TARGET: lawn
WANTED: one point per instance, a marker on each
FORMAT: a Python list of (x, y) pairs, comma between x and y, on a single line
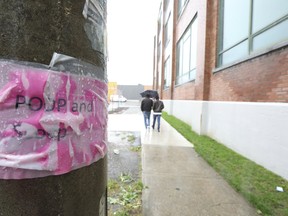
[(254, 182)]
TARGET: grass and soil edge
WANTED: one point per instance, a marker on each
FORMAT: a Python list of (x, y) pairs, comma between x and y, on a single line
[(255, 183), (125, 192)]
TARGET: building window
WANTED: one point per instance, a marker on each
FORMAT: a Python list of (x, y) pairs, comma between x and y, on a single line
[(168, 30), (159, 22), (166, 4), (249, 26), (159, 51), (181, 5), (186, 54), (167, 73)]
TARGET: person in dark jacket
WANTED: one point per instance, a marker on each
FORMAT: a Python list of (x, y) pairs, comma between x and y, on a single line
[(146, 107), (158, 106)]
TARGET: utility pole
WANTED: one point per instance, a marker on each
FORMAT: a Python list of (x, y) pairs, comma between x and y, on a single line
[(34, 31)]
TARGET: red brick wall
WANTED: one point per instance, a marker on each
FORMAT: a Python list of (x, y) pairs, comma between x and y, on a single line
[(166, 94), (262, 79), (185, 92), (193, 90), (210, 45)]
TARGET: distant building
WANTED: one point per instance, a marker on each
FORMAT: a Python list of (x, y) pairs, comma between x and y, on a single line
[(131, 92), (222, 67), (112, 89)]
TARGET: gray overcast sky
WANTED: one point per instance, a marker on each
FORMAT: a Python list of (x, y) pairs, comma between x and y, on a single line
[(131, 26)]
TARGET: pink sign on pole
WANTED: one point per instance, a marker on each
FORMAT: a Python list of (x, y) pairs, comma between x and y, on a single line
[(51, 122)]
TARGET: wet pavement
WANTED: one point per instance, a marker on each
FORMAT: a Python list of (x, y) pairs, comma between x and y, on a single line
[(178, 182), (122, 137), (122, 159)]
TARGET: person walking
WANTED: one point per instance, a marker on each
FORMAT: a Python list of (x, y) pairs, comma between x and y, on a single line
[(146, 107), (158, 106)]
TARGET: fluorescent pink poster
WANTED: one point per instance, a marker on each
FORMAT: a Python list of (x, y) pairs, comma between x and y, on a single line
[(50, 122)]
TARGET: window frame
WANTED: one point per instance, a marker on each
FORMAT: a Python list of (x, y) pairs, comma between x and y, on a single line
[(250, 37), (167, 30), (167, 73), (190, 75), (181, 7), (166, 4)]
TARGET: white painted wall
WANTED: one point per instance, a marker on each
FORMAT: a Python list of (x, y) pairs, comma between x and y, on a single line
[(188, 111), (258, 131)]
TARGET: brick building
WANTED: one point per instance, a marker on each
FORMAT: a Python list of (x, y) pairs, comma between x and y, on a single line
[(222, 67)]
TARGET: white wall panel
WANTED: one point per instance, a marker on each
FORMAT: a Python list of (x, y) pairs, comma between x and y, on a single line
[(258, 131)]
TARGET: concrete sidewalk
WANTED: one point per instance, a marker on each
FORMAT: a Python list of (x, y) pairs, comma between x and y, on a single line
[(178, 181)]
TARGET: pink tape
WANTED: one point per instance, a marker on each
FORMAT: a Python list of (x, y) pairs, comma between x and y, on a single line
[(51, 122)]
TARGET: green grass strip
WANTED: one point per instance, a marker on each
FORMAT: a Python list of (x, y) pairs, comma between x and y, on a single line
[(255, 183)]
